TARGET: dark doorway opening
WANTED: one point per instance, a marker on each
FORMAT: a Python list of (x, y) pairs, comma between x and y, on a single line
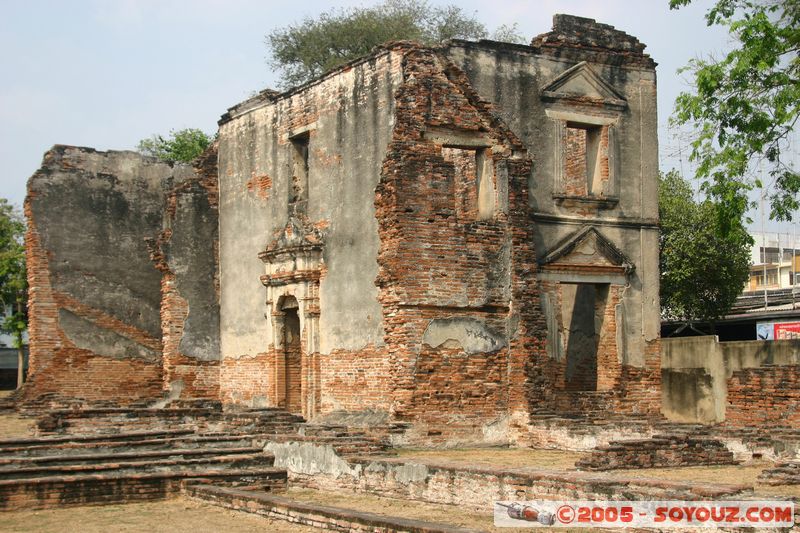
[(583, 312), (292, 356)]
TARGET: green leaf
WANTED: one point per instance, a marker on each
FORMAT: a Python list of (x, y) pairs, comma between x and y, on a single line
[(13, 275), (704, 252), (307, 49), (183, 145), (745, 105)]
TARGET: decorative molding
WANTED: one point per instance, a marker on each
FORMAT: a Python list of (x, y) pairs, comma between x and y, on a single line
[(619, 262), (601, 202), (582, 85), (294, 267)]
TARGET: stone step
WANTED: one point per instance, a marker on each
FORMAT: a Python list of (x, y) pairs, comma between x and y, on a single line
[(104, 457), (216, 462), (116, 487), (659, 451), (144, 444), (109, 420), (342, 445), (320, 516), (785, 473), (13, 445)]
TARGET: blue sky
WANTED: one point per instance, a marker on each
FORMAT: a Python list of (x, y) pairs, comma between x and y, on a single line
[(107, 73)]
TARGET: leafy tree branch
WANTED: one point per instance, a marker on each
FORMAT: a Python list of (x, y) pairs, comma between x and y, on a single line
[(745, 106)]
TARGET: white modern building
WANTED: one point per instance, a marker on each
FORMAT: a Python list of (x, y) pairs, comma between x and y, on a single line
[(775, 261)]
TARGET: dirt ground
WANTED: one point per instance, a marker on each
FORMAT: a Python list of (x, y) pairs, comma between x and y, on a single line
[(13, 426), (447, 514), (746, 474), (498, 457), (170, 516)]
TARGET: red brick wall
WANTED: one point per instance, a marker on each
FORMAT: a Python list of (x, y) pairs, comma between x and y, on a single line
[(355, 380), (585, 153), (575, 171), (765, 396), (200, 378), (249, 379)]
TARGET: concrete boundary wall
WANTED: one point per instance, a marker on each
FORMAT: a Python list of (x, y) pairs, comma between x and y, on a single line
[(696, 373)]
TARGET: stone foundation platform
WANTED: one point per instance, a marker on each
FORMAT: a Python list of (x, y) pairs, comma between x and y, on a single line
[(659, 451)]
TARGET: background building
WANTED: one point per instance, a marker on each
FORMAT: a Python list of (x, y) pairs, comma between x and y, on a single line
[(775, 259), (9, 358)]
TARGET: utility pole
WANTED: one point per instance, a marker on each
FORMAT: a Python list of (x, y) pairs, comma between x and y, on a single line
[(763, 248), (792, 268)]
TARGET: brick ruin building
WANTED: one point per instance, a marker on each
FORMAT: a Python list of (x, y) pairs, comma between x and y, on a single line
[(459, 237)]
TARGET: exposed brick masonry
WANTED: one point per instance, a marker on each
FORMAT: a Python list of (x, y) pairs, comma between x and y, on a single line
[(659, 451), (428, 195), (765, 396)]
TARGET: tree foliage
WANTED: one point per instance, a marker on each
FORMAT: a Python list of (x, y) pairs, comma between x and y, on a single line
[(746, 104), (307, 49), (704, 265), (13, 278), (182, 145)]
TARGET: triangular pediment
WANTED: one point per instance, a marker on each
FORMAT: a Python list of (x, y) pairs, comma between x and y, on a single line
[(587, 247), (581, 83)]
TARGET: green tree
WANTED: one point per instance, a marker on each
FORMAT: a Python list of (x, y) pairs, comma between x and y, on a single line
[(13, 280), (509, 33), (307, 49), (704, 263), (746, 104), (182, 145)]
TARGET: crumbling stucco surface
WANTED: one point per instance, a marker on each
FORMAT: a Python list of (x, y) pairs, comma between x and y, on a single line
[(347, 119), (96, 303), (465, 233)]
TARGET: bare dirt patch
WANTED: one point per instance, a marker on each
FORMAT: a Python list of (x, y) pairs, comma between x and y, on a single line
[(13, 426), (746, 474), (497, 457), (170, 516), (431, 512), (565, 460), (733, 474)]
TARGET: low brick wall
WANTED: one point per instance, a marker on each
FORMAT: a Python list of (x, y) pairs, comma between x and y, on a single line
[(476, 487), (95, 421), (786, 473), (318, 516), (56, 492), (582, 435), (766, 396), (660, 451), (740, 383), (59, 491)]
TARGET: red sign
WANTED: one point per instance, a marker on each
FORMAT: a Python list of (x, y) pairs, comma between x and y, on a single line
[(787, 330), (768, 331)]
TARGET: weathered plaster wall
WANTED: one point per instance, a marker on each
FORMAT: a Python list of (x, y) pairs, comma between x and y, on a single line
[(186, 253), (739, 382), (122, 268), (94, 304), (347, 117)]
